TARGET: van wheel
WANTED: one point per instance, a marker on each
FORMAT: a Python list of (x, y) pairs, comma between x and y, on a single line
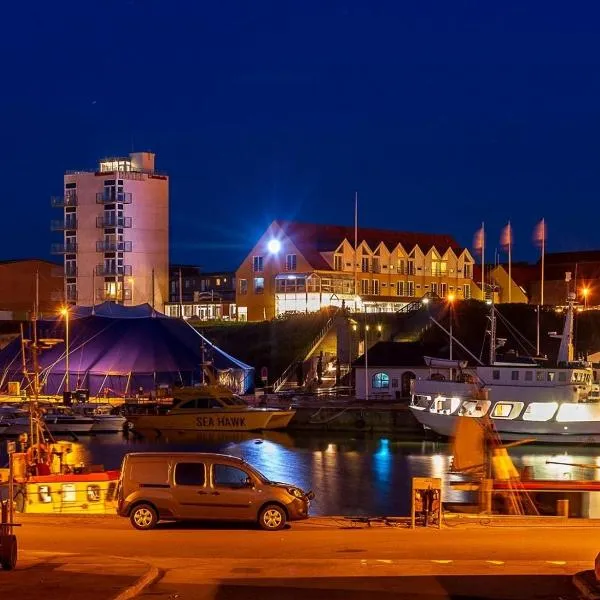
[(272, 518), (143, 516)]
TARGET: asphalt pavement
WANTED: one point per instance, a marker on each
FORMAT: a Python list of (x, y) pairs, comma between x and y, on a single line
[(335, 558)]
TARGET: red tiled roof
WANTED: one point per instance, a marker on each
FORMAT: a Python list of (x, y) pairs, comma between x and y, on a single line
[(311, 239)]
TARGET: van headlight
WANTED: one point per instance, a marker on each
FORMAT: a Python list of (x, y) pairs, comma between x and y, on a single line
[(295, 492)]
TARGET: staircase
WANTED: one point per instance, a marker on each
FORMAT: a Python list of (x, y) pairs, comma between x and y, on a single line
[(289, 374)]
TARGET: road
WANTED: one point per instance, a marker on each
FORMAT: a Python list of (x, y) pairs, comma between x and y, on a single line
[(325, 555)]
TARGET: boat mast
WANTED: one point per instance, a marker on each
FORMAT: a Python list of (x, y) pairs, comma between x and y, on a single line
[(565, 352), (492, 330)]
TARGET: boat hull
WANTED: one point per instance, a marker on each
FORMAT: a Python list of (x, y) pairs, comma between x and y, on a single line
[(550, 432), (246, 420)]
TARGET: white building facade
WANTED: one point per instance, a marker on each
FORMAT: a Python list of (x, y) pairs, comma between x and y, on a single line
[(115, 228)]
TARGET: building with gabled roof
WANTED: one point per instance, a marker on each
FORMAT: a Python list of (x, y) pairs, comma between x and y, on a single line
[(303, 267)]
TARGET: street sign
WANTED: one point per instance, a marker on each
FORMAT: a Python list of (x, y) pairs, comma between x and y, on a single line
[(264, 374), (11, 447)]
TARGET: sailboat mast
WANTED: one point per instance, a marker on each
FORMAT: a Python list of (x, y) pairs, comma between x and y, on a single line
[(492, 332)]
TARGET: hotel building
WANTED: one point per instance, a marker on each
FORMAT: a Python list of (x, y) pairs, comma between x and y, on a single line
[(302, 267), (115, 228)]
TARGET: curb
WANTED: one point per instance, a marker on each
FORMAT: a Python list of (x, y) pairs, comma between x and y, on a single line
[(585, 582), (152, 575)]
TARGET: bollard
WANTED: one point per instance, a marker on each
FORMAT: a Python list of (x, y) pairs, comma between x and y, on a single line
[(562, 508)]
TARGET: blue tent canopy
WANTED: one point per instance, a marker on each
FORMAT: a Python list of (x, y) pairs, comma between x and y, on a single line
[(122, 349)]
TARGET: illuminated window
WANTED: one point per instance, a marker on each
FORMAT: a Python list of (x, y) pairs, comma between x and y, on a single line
[(257, 264), (502, 410), (69, 492), (400, 288), (380, 381), (539, 376), (259, 285), (468, 271), (337, 262), (410, 288), (364, 286), (290, 262), (375, 287), (401, 268), (551, 375), (44, 494), (93, 493), (364, 266)]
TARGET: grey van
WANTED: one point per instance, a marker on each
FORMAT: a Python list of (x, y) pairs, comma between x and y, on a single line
[(198, 486)]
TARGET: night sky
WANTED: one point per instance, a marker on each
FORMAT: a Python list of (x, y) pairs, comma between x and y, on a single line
[(440, 114)]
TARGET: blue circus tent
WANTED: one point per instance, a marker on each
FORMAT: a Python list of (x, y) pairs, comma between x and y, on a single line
[(118, 350)]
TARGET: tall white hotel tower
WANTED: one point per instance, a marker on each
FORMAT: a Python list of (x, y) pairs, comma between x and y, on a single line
[(115, 228)]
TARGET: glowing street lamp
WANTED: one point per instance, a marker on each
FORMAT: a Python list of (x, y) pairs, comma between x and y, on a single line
[(65, 313), (274, 246), (450, 299), (586, 292)]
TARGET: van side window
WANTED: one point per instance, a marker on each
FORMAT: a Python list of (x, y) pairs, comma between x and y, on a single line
[(227, 476), (190, 474)]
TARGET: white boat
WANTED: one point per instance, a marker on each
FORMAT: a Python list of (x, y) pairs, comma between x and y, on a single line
[(57, 419), (106, 420), (523, 398), (212, 408)]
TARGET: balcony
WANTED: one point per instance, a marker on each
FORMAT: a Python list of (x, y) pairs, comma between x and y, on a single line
[(70, 271), (113, 198), (110, 296), (69, 199), (113, 271), (62, 224), (104, 222), (68, 248), (113, 246)]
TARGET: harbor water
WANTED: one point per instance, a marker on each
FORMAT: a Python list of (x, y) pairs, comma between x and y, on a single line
[(351, 476)]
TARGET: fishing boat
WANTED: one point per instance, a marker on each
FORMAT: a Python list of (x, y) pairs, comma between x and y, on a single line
[(211, 407), (523, 397), (58, 477)]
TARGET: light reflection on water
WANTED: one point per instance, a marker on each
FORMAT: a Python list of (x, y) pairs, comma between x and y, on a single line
[(370, 475)]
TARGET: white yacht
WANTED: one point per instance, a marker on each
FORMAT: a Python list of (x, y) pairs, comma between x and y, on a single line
[(57, 419), (523, 398), (106, 418)]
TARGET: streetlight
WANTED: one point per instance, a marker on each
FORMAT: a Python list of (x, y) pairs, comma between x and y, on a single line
[(451, 303), (586, 292), (65, 314), (366, 361)]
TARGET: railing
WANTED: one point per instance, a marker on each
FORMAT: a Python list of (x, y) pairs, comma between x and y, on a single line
[(69, 199), (68, 248), (278, 384), (62, 224), (112, 271), (104, 222), (113, 198), (103, 294), (113, 246)]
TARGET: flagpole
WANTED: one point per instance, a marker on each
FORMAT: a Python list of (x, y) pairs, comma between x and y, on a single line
[(355, 248), (543, 252), (509, 263), (483, 260)]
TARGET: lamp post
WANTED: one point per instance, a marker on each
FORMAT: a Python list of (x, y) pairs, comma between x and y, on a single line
[(366, 361), (65, 313), (451, 304), (586, 292)]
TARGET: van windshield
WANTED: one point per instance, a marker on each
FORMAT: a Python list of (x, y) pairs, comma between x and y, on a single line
[(256, 473)]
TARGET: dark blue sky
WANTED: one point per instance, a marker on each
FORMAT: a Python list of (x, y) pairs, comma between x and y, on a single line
[(441, 114)]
